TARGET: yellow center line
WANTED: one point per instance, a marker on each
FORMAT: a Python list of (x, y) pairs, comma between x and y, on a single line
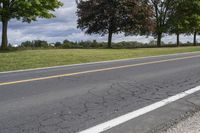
[(93, 71)]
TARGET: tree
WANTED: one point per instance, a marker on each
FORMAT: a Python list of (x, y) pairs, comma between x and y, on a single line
[(161, 15), (109, 16), (40, 44), (58, 44), (184, 18), (175, 21), (26, 44), (25, 10), (140, 15), (191, 17)]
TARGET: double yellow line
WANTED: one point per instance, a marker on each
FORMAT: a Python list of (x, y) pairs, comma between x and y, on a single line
[(93, 71)]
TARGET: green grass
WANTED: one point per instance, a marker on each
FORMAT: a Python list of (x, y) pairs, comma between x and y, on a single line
[(26, 59)]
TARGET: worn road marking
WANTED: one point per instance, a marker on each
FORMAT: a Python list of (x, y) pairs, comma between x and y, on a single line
[(130, 116), (97, 70)]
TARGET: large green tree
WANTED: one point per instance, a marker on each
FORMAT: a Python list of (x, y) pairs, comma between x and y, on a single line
[(25, 10), (191, 17), (175, 21), (111, 16), (161, 16), (184, 18)]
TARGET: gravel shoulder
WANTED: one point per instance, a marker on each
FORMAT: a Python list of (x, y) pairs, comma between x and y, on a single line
[(189, 125)]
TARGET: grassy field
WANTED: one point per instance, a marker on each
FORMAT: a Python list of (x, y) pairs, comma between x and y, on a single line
[(44, 58)]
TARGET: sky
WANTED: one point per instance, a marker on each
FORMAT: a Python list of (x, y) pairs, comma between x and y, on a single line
[(64, 26)]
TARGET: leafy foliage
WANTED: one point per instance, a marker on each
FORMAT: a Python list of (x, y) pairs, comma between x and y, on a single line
[(113, 16), (190, 17), (161, 16), (35, 44), (41, 44), (25, 10)]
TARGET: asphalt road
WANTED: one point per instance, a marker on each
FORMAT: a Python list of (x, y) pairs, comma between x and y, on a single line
[(73, 98)]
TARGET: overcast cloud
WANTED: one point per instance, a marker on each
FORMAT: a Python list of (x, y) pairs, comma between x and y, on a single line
[(64, 27)]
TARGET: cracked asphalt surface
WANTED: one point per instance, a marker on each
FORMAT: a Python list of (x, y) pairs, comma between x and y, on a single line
[(74, 103)]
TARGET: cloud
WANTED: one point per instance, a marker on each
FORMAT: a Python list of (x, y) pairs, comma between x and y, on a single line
[(64, 26)]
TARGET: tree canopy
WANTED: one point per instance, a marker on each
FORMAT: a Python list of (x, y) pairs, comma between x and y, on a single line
[(112, 16), (184, 18), (191, 16), (162, 11), (26, 11), (130, 17), (175, 20)]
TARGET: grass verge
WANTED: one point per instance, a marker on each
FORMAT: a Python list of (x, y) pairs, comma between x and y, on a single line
[(27, 59)]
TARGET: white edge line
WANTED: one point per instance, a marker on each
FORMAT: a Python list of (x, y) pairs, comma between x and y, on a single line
[(127, 117), (90, 63)]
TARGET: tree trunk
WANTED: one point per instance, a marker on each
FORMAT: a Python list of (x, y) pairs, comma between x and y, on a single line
[(178, 39), (110, 38), (159, 39), (4, 43), (195, 39)]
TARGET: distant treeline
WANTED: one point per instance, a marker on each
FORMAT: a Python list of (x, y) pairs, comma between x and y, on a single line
[(66, 44)]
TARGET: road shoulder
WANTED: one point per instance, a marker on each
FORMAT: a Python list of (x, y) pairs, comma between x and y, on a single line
[(163, 118), (189, 125), (98, 62)]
